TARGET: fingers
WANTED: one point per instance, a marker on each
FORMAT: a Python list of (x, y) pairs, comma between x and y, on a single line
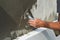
[(32, 23)]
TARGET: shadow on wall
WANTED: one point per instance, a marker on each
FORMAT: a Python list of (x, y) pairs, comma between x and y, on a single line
[(12, 12), (6, 24)]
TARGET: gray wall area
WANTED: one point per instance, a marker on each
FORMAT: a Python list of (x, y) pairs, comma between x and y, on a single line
[(10, 15), (12, 10)]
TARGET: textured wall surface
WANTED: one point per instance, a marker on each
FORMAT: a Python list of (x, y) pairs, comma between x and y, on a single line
[(46, 9), (12, 10), (39, 34), (10, 15)]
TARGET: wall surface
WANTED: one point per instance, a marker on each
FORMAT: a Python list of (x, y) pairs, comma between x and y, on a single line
[(12, 10), (38, 34), (46, 9), (10, 16)]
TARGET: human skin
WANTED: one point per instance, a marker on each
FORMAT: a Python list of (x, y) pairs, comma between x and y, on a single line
[(36, 23)]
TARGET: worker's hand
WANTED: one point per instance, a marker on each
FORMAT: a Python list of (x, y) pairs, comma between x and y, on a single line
[(36, 23)]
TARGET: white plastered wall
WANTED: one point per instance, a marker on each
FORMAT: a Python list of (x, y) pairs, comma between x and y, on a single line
[(46, 10)]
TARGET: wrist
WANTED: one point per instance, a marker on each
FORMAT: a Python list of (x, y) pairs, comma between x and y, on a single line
[(46, 24), (42, 24)]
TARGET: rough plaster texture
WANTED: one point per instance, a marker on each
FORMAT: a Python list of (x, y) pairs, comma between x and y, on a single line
[(14, 9), (38, 34), (46, 10), (10, 16)]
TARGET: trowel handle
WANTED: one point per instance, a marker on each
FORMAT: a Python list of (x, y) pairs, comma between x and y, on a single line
[(32, 19), (30, 16)]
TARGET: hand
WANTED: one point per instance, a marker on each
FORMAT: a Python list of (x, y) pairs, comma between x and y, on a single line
[(36, 23)]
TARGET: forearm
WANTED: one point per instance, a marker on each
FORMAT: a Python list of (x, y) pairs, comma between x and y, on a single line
[(53, 25)]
